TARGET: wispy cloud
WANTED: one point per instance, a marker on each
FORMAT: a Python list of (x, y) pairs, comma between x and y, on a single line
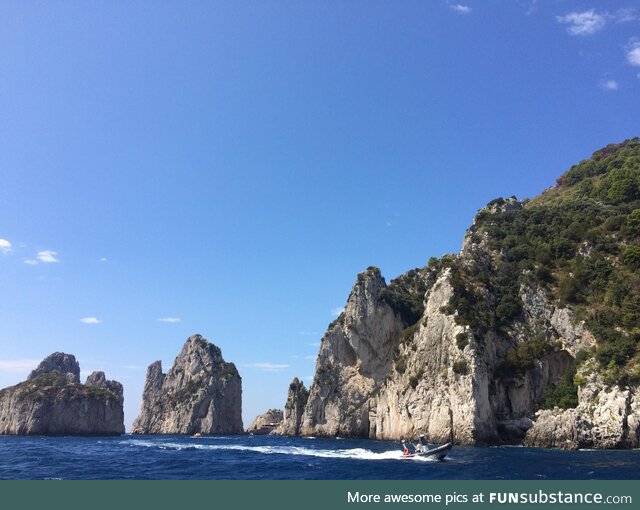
[(310, 357), (308, 333), (5, 246), (633, 52), (103, 259), (48, 256), (132, 367), (530, 7), (90, 320), (171, 320), (625, 15), (337, 311), (268, 367), (44, 256), (589, 22), (583, 23), (315, 344), (608, 84), (460, 8), (18, 365), (308, 378)]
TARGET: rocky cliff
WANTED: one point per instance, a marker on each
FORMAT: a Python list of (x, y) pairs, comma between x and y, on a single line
[(201, 393), (266, 422), (52, 401), (532, 329), (607, 416), (297, 398)]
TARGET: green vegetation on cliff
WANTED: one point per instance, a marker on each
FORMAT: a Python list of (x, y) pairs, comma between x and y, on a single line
[(406, 293), (581, 242)]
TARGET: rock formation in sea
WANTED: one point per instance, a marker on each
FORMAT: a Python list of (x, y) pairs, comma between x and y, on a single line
[(294, 407), (266, 422), (52, 401), (529, 334), (201, 393)]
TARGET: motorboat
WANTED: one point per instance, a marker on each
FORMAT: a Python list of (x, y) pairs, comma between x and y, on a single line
[(422, 449)]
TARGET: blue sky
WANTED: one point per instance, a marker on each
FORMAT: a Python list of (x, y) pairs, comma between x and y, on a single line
[(231, 166)]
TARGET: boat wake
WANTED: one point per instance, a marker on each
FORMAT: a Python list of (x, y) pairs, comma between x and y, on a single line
[(351, 453)]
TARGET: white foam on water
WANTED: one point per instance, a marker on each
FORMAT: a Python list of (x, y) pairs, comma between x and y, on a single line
[(351, 453)]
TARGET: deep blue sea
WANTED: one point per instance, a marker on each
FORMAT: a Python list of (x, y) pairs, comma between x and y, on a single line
[(267, 457)]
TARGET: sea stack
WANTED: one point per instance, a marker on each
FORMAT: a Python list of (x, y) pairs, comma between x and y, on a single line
[(52, 401), (296, 401), (201, 394)]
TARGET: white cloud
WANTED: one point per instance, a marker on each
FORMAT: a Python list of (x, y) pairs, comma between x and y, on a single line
[(625, 15), (337, 310), (268, 367), (633, 53), (18, 365), (308, 378), (583, 23), (461, 9), (48, 256), (31, 262), (315, 344), (310, 357), (608, 84), (90, 320), (171, 320), (308, 333), (103, 259), (5, 246)]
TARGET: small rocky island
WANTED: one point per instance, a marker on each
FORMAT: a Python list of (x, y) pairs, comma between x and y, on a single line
[(201, 394), (52, 401), (266, 423)]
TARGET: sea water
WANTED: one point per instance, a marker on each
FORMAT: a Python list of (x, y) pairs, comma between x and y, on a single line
[(272, 458)]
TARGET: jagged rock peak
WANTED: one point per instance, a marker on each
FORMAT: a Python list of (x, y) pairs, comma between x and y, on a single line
[(99, 380), (366, 291), (208, 352), (201, 393), (58, 362), (297, 397)]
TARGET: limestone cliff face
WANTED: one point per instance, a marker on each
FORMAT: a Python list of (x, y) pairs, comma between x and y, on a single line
[(423, 394), (376, 377), (53, 402), (355, 356), (201, 393), (450, 385), (297, 398), (607, 416), (266, 422)]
